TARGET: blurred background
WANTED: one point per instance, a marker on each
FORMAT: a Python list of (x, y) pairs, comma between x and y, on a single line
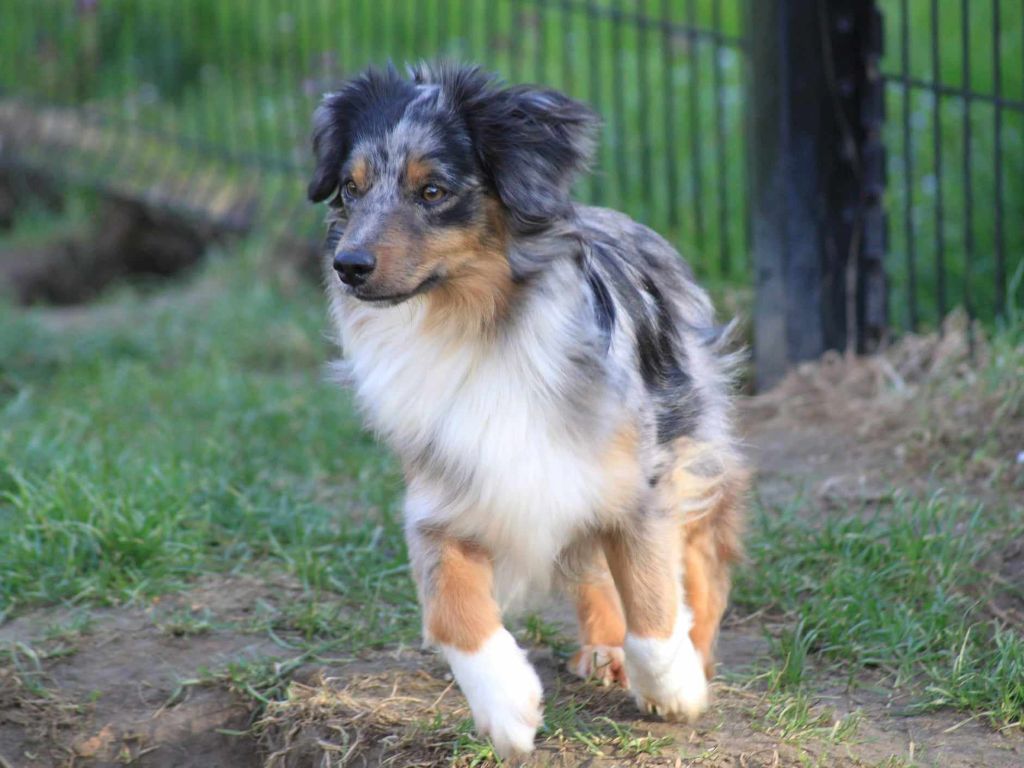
[(201, 549), (869, 146)]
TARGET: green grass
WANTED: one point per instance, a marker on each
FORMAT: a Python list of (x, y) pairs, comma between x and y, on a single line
[(794, 718), (895, 595), (193, 435)]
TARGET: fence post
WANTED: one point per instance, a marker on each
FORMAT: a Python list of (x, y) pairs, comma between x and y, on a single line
[(817, 169)]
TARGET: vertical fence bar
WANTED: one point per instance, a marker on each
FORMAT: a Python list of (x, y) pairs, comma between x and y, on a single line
[(997, 76), (724, 251), (516, 40), (420, 25), (749, 137), (619, 106), (908, 169), (965, 40), (669, 105), (594, 87), (644, 86), (697, 177), (440, 29), (540, 69), (491, 35), (940, 213), (568, 40), (471, 37), (868, 116)]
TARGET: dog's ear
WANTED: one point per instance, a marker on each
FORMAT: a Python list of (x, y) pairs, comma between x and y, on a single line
[(531, 142), (331, 144), (363, 103)]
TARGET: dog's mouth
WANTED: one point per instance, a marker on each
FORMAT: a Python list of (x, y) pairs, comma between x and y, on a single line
[(391, 299)]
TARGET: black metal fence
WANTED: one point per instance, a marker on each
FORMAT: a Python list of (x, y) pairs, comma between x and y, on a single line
[(204, 105), (955, 98)]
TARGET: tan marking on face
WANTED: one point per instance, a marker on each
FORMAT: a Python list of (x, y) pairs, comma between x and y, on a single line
[(478, 286), (460, 608), (417, 172), (360, 173)]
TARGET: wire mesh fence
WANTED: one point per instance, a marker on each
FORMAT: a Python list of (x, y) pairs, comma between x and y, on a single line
[(204, 105), (955, 82), (207, 104)]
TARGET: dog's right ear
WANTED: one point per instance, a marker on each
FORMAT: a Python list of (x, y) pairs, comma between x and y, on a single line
[(361, 104)]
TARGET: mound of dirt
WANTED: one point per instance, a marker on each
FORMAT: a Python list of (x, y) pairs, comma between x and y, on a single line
[(126, 240), (917, 412)]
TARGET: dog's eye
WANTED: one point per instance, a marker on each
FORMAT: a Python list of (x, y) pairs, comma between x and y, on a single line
[(351, 188), (433, 193)]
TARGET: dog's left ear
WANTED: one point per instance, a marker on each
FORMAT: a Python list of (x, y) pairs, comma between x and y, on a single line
[(330, 145), (531, 142), (364, 102)]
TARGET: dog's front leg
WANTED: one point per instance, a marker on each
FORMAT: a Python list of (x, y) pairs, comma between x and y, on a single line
[(461, 616), (666, 673)]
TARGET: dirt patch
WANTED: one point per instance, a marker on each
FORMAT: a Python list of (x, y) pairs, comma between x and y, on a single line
[(127, 684), (123, 690), (403, 710), (126, 240)]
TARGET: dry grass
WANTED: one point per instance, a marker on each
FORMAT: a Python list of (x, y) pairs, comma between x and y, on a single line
[(42, 713), (947, 404), (401, 719)]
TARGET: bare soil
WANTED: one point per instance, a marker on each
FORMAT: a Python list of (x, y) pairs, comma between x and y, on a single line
[(134, 686)]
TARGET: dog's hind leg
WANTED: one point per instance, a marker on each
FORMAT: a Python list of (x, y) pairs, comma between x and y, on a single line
[(461, 616), (706, 485), (710, 547), (602, 627), (666, 674)]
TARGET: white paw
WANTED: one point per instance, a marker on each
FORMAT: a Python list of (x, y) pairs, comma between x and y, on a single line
[(667, 675), (503, 691), (603, 663)]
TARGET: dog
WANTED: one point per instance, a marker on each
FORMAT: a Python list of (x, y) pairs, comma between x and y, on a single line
[(551, 377)]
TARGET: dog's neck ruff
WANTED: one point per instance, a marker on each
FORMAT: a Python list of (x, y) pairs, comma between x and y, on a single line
[(500, 434)]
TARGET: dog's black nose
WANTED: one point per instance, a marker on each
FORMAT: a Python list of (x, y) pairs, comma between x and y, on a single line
[(353, 267)]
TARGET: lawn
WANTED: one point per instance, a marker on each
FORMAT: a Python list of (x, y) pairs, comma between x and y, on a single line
[(172, 461)]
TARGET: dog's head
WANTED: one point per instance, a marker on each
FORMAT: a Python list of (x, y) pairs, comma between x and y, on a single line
[(430, 176)]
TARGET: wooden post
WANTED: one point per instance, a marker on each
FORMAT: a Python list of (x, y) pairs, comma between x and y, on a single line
[(817, 175)]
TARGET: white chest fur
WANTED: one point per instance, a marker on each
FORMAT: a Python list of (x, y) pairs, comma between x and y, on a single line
[(494, 413)]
